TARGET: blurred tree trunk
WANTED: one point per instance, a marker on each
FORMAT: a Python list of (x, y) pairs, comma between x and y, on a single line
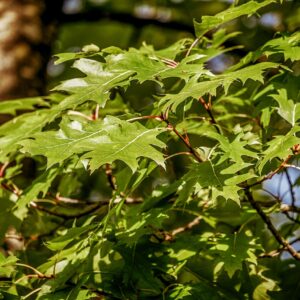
[(27, 29)]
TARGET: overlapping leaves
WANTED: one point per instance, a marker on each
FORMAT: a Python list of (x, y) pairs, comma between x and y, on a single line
[(143, 239)]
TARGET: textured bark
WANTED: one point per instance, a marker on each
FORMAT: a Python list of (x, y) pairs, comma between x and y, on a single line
[(27, 29)]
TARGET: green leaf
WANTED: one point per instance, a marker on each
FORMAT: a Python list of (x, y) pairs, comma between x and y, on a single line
[(200, 291), (95, 86), (139, 224), (70, 236), (7, 265), (211, 22), (195, 89), (155, 68), (5, 261), (170, 52), (102, 142), (88, 51), (288, 45), (12, 106), (40, 186), (206, 175), (235, 150), (231, 251), (287, 108), (279, 147), (21, 128)]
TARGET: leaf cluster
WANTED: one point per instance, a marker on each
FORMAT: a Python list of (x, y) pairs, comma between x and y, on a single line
[(145, 177)]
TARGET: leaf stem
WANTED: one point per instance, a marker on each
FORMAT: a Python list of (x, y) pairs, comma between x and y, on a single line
[(178, 153), (195, 42)]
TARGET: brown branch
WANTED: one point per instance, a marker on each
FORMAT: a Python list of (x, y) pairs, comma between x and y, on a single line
[(63, 215), (270, 226), (285, 209), (11, 188), (291, 187), (271, 174), (170, 236), (207, 107), (59, 198), (290, 217), (277, 252), (93, 208), (185, 139), (3, 169)]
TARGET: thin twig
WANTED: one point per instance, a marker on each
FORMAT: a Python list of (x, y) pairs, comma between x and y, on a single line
[(290, 217), (93, 208), (185, 140), (277, 252), (170, 236), (59, 198), (291, 187), (207, 107), (270, 226), (65, 216), (31, 293), (271, 174), (13, 189), (285, 209), (292, 166), (164, 118), (158, 118), (3, 168)]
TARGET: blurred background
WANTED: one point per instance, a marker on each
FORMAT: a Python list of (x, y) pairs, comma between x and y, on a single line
[(32, 31)]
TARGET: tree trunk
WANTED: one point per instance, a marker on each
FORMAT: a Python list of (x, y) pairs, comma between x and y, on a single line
[(27, 29)]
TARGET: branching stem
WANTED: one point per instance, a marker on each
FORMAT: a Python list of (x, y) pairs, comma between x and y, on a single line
[(271, 227)]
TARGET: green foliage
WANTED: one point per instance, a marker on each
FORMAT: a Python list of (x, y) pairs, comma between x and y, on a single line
[(143, 177)]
